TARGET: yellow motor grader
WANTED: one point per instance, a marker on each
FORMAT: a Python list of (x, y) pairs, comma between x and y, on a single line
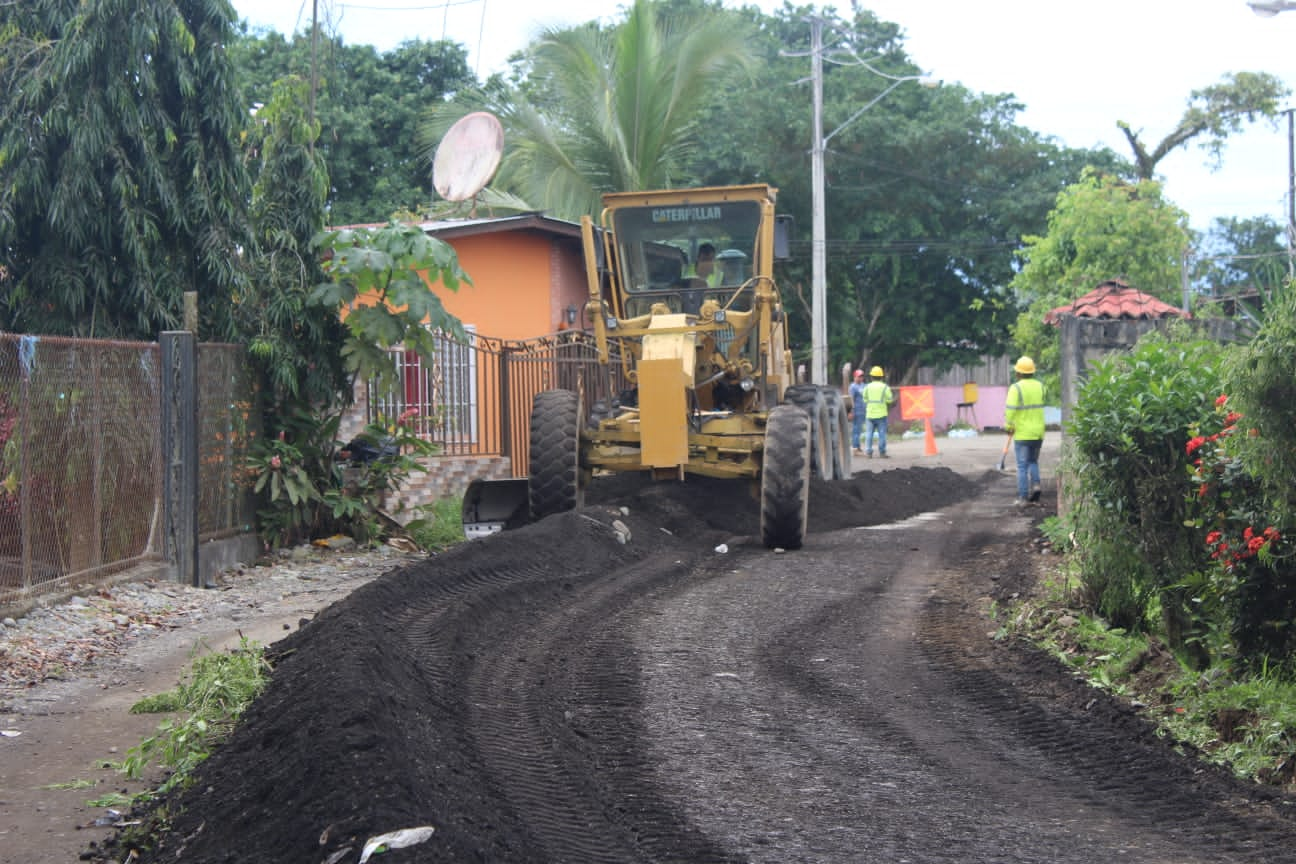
[(682, 296)]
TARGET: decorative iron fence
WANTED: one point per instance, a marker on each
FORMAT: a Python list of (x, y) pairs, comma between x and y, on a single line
[(475, 400)]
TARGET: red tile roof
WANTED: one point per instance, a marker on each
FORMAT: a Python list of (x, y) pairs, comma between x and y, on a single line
[(1114, 299)]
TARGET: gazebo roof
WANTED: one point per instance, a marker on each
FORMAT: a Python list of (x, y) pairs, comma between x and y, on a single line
[(1114, 299)]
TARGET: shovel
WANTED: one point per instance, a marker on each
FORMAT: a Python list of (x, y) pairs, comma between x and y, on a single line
[(1003, 457)]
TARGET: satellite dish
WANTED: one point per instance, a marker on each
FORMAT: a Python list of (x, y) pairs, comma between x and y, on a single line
[(467, 156)]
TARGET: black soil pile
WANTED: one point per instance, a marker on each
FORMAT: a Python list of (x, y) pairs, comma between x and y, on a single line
[(365, 727)]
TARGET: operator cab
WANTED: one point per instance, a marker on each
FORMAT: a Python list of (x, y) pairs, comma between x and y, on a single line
[(685, 254)]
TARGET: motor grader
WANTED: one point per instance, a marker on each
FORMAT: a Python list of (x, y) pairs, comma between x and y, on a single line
[(711, 389)]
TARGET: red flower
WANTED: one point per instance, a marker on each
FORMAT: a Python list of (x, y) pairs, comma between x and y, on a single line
[(1219, 403), (1212, 538), (1232, 417), (1248, 533), (1193, 444), (1255, 543)]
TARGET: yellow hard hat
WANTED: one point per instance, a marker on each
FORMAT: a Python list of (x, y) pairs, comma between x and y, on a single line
[(876, 372), (1025, 366)]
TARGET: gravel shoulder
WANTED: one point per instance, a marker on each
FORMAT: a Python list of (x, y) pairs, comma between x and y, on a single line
[(70, 673)]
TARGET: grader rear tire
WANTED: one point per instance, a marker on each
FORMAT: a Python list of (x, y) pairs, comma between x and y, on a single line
[(839, 432), (554, 482), (810, 399), (785, 479)]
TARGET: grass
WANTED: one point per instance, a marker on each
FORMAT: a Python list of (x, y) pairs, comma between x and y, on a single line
[(72, 784), (443, 528), (208, 701), (1245, 723)]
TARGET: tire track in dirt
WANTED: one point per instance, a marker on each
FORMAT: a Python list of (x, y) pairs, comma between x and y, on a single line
[(859, 733), (550, 702)]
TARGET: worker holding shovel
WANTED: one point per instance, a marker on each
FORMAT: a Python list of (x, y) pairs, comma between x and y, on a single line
[(1024, 420)]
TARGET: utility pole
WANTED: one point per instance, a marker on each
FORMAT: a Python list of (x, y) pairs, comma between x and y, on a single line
[(1291, 197), (818, 246)]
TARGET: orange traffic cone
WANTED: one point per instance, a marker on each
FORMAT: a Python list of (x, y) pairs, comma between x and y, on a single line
[(930, 449)]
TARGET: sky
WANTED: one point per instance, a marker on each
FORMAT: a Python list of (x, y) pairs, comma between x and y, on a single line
[(1077, 66)]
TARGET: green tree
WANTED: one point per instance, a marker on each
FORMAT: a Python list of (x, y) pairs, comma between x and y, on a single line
[(296, 345), (383, 276), (1101, 228), (1243, 258), (368, 104), (928, 192), (121, 183), (1213, 113), (609, 108)]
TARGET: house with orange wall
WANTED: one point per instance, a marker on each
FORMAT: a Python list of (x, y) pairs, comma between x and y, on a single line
[(527, 272), (528, 283)]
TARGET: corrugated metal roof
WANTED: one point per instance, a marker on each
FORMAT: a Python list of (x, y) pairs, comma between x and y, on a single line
[(1114, 299), (488, 224)]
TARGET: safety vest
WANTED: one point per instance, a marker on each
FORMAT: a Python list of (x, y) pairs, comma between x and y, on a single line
[(712, 280), (1024, 410), (877, 400)]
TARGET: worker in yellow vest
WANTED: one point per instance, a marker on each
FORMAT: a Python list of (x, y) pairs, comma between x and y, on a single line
[(878, 399), (701, 276), (1024, 420)]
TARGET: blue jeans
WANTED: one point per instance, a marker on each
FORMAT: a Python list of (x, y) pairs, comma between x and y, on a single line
[(876, 427), (857, 427), (1028, 475)]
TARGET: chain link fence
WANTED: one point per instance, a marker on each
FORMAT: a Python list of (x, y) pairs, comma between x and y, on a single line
[(80, 460)]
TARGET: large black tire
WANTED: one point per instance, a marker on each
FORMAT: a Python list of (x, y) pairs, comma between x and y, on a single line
[(554, 482), (810, 399), (839, 431), (785, 479)]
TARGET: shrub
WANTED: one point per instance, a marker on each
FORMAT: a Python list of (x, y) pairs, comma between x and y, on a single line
[(1243, 482), (1130, 428)]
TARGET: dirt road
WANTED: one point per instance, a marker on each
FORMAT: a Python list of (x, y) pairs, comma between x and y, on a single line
[(554, 694)]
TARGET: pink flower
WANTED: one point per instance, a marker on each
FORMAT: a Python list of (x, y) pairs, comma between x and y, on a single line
[(275, 462)]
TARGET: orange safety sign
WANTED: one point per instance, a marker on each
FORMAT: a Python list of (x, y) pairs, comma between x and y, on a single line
[(917, 403)]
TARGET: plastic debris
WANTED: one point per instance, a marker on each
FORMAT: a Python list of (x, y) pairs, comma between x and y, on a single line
[(9, 733), (395, 840), (622, 531), (722, 548)]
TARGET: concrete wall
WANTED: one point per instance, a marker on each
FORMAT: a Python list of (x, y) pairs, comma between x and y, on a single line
[(1087, 340)]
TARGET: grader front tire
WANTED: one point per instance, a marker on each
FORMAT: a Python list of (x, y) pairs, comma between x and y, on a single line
[(785, 479), (839, 431), (554, 482), (810, 399)]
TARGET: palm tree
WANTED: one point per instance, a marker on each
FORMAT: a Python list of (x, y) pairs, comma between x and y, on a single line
[(612, 109)]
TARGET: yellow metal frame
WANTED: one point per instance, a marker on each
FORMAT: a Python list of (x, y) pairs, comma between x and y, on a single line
[(660, 354)]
